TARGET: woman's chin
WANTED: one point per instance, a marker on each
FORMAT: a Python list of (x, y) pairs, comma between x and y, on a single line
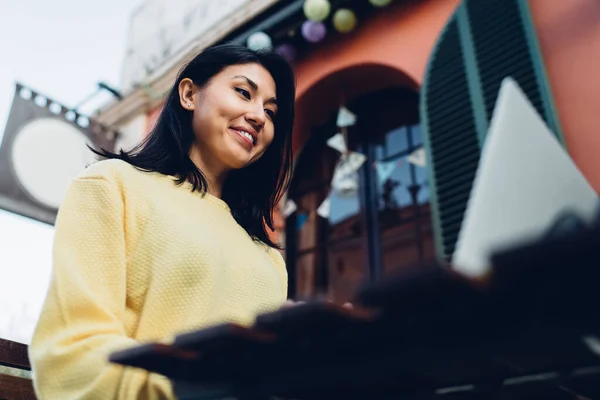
[(235, 163)]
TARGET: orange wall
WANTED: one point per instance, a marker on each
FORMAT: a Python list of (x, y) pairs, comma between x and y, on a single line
[(402, 37), (399, 38), (569, 36)]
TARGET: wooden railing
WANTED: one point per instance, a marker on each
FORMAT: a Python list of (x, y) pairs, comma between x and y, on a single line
[(13, 384)]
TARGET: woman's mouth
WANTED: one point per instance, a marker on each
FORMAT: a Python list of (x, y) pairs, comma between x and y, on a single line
[(245, 136)]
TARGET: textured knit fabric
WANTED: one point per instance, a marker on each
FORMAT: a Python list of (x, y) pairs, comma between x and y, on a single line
[(138, 258)]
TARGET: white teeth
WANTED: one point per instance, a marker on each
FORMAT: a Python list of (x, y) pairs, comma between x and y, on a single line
[(249, 136)]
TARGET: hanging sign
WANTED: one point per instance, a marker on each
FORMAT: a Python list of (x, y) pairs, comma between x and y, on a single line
[(44, 147)]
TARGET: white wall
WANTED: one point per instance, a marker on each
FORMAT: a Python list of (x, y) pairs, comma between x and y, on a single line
[(132, 132), (160, 28)]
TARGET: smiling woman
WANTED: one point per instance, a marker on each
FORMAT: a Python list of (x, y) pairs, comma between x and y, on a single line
[(224, 88), (239, 106), (171, 236)]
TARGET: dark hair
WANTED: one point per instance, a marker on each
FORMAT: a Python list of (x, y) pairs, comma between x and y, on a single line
[(252, 193)]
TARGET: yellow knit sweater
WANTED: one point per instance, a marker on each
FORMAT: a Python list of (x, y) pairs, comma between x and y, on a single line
[(138, 258)]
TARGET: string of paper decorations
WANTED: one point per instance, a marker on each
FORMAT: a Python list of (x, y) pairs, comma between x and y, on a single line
[(314, 28), (345, 180)]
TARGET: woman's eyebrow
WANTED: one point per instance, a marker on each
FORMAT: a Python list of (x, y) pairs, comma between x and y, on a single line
[(254, 86)]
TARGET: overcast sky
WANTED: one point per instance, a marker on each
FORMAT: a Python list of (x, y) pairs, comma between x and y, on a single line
[(60, 48)]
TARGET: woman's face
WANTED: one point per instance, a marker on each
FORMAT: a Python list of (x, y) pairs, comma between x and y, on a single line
[(233, 118)]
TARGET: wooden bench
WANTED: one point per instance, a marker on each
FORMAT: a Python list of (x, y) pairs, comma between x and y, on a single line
[(13, 386)]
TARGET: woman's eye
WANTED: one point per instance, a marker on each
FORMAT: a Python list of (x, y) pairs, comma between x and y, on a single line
[(243, 92), (271, 114)]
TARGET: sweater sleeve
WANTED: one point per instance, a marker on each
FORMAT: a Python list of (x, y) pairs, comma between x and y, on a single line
[(82, 320), (279, 262)]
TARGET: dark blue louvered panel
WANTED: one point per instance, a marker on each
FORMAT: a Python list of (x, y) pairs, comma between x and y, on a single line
[(453, 145), (501, 48)]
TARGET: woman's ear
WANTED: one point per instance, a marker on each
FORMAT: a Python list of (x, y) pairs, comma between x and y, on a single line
[(187, 94)]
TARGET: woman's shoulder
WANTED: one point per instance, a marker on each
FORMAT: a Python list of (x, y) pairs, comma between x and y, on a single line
[(111, 170)]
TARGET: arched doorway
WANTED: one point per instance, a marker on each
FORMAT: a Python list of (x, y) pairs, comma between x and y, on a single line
[(381, 227)]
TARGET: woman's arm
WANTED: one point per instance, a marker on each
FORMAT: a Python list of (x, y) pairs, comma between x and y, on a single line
[(82, 320), (279, 263)]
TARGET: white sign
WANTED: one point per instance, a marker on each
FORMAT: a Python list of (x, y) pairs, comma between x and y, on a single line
[(160, 28), (44, 176)]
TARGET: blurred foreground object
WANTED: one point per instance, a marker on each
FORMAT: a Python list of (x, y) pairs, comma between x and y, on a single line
[(15, 375), (525, 181), (531, 331)]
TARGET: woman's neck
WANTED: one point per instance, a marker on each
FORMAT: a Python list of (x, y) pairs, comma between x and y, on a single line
[(215, 176)]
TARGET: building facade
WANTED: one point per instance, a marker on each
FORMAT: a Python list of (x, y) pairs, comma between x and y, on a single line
[(375, 72)]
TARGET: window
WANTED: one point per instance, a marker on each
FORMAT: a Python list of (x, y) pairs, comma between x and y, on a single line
[(384, 225)]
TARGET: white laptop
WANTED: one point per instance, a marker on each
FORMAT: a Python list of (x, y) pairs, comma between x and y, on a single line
[(525, 180)]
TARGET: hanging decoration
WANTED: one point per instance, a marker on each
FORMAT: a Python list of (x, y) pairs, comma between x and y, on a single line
[(289, 208), (287, 51), (259, 41), (345, 179), (301, 220), (385, 169), (380, 3), (354, 160), (338, 142), (344, 20), (418, 157), (345, 118), (324, 208), (317, 10), (346, 185), (313, 31)]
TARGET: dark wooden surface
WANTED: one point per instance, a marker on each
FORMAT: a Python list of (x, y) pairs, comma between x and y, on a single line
[(16, 388), (14, 355)]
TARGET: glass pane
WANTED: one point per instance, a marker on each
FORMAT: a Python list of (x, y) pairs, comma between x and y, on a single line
[(422, 181), (394, 191), (345, 242), (396, 141), (342, 207), (403, 196), (380, 152), (416, 135)]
